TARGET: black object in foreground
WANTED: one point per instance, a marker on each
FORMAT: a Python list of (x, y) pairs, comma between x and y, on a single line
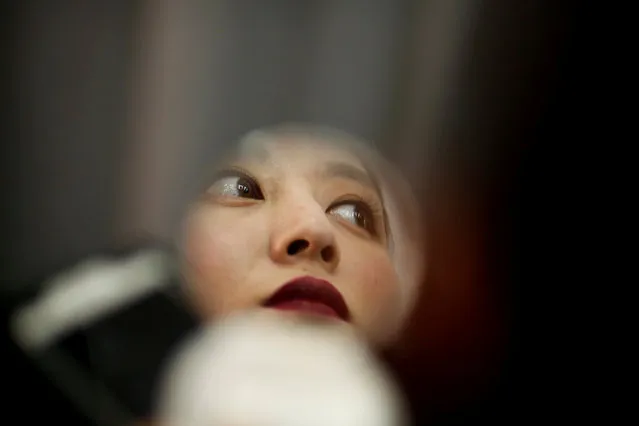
[(99, 332)]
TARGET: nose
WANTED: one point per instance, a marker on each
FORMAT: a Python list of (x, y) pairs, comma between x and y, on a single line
[(304, 233)]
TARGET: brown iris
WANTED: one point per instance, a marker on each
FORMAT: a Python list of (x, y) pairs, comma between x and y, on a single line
[(236, 183), (355, 212)]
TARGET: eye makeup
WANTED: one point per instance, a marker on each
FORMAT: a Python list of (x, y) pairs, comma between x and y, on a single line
[(352, 203), (361, 210)]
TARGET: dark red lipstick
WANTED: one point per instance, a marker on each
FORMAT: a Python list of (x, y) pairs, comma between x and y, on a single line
[(310, 295)]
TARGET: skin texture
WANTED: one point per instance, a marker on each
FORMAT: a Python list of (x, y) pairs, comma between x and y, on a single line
[(239, 247)]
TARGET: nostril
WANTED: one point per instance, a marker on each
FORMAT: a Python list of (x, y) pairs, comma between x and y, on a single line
[(328, 253), (297, 246)]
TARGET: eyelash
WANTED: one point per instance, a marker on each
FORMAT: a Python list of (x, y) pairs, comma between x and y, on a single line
[(240, 173), (368, 203)]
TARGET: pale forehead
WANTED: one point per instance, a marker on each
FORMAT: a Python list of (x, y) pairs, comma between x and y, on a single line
[(284, 150)]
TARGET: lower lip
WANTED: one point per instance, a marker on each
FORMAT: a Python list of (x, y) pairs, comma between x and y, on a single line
[(307, 307)]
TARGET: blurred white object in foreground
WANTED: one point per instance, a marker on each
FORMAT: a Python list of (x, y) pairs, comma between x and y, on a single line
[(270, 369)]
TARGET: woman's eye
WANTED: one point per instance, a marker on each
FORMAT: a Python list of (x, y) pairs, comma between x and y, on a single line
[(236, 184), (356, 213)]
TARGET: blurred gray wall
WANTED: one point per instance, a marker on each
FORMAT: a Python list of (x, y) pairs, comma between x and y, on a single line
[(68, 77), (249, 64), (116, 107)]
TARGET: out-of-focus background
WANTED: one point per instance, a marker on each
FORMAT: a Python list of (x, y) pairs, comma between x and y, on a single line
[(115, 108)]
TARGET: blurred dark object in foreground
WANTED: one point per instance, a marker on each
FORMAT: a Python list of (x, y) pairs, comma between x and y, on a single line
[(476, 349), (103, 371)]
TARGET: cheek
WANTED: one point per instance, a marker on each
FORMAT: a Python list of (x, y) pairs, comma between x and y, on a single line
[(217, 257), (207, 245), (377, 288)]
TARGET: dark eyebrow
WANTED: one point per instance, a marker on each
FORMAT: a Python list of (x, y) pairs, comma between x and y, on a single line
[(348, 171)]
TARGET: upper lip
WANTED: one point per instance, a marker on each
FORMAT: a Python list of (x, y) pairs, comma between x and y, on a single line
[(312, 289)]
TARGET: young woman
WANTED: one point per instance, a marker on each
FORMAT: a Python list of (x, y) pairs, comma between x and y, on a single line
[(298, 222), (310, 221)]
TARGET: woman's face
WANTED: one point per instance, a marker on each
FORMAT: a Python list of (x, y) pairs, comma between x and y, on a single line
[(287, 209)]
